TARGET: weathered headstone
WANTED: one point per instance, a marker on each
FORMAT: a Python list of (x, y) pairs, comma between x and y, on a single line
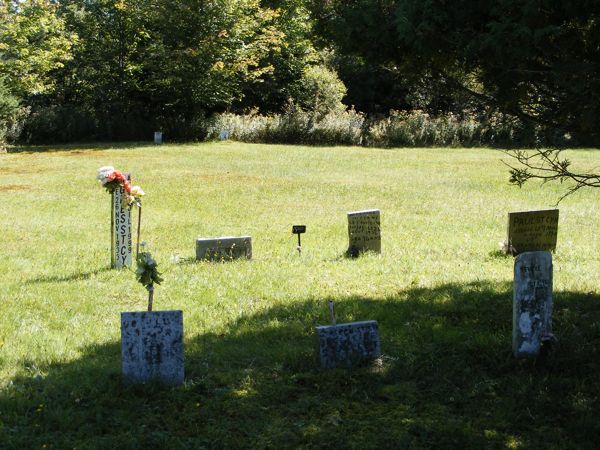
[(348, 344), (152, 346), (532, 231), (158, 137), (364, 231), (532, 303), (121, 231), (224, 248), (224, 134)]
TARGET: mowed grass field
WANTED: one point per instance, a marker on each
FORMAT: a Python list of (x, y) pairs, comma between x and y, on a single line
[(440, 290)]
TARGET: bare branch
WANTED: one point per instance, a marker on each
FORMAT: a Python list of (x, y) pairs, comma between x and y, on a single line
[(547, 165)]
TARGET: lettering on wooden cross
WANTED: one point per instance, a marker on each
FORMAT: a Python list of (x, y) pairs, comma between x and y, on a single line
[(122, 231)]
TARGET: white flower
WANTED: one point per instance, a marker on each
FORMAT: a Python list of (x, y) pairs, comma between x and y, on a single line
[(136, 191), (103, 173)]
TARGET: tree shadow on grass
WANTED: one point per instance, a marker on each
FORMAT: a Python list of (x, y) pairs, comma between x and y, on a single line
[(66, 278), (447, 379), (78, 147)]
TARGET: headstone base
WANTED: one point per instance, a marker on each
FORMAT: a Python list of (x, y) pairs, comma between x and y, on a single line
[(224, 248), (152, 346), (348, 344)]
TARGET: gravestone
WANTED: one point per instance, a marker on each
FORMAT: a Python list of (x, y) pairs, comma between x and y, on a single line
[(158, 137), (152, 346), (224, 135), (121, 233), (224, 248), (348, 344), (364, 231), (532, 231), (532, 303)]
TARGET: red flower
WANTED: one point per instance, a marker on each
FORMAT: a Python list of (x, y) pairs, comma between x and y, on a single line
[(127, 186)]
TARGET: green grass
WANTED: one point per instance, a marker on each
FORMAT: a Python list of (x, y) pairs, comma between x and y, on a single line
[(440, 290)]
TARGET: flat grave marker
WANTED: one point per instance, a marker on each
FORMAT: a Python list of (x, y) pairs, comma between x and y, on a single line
[(224, 248), (348, 344)]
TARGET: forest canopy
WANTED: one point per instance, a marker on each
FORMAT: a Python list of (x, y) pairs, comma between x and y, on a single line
[(120, 69)]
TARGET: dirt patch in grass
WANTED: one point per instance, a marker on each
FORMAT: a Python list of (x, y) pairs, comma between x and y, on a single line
[(20, 170), (14, 187)]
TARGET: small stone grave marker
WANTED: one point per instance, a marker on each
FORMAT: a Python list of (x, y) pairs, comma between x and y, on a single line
[(531, 231), (532, 303), (348, 344), (224, 248), (121, 230), (152, 346), (158, 137), (364, 231)]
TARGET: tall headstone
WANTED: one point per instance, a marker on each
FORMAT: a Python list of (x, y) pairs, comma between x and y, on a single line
[(152, 346), (348, 344), (121, 231), (364, 231), (532, 231), (224, 248), (532, 303), (158, 137)]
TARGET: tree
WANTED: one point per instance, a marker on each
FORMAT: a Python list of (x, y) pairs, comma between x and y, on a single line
[(33, 43), (534, 59), (143, 65)]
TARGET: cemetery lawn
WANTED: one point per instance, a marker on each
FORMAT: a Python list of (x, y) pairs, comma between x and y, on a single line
[(441, 292)]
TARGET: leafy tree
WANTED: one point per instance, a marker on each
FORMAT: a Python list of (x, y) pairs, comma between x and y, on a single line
[(320, 91), (534, 59), (141, 65), (33, 43), (271, 91), (9, 109)]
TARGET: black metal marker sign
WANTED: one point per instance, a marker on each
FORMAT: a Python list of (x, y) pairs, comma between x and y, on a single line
[(299, 229)]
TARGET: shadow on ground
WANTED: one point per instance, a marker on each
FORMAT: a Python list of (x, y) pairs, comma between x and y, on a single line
[(447, 380)]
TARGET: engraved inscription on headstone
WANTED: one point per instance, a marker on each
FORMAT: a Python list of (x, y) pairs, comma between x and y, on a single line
[(348, 344), (364, 231), (122, 230), (532, 302), (531, 231), (152, 346), (224, 248)]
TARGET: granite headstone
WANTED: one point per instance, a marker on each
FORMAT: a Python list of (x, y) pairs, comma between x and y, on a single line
[(532, 303), (224, 248), (364, 231), (348, 344), (152, 346), (532, 231)]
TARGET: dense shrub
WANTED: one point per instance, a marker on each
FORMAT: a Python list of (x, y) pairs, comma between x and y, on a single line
[(320, 91), (399, 129)]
